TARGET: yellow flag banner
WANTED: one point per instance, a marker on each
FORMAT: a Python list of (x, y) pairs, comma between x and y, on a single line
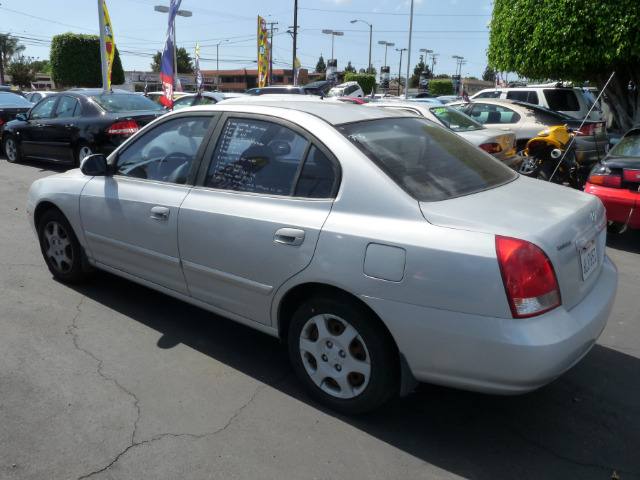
[(263, 37), (110, 46)]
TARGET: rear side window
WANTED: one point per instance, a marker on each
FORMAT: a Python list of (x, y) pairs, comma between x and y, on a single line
[(529, 96), (428, 162), (494, 94), (562, 100)]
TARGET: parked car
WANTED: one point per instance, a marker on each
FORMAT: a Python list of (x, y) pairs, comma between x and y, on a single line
[(449, 98), (35, 97), (500, 144), (11, 105), (11, 89), (322, 85), (527, 120), (347, 89), (616, 181), (285, 90), (205, 98), (567, 100), (381, 247), (67, 126), (156, 96)]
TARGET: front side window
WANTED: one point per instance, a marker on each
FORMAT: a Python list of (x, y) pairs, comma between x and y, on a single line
[(44, 109), (428, 162), (256, 156), (165, 153)]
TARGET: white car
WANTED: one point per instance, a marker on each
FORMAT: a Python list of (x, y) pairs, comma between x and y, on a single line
[(500, 144), (348, 89), (381, 247)]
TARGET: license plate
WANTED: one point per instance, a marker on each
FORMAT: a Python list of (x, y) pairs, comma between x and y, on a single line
[(589, 259)]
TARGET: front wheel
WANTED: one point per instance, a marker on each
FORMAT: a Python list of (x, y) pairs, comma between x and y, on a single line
[(343, 355), (12, 150), (60, 247)]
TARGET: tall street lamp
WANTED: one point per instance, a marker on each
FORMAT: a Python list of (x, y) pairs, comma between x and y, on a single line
[(218, 65), (370, 37), (386, 44), (182, 13), (400, 68), (333, 36)]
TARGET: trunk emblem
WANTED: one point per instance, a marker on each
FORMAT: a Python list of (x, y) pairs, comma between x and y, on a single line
[(593, 217)]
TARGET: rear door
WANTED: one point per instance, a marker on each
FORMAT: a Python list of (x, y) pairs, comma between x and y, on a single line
[(254, 220)]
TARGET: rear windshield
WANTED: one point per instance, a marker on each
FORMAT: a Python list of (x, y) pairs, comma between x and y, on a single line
[(629, 146), (125, 103), (14, 100), (427, 161)]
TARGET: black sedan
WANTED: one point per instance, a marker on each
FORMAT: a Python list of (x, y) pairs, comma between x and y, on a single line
[(10, 106), (67, 126)]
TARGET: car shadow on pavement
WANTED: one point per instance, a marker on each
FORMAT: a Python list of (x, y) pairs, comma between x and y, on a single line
[(585, 425)]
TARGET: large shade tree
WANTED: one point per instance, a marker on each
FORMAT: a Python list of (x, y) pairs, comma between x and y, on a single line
[(9, 46), (185, 64), (572, 40)]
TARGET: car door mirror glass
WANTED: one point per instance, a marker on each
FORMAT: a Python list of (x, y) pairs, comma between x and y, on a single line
[(22, 117), (94, 165)]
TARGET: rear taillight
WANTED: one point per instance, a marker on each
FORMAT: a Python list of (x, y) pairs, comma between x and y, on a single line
[(491, 147), (631, 176), (590, 129), (529, 278), (602, 175), (123, 128)]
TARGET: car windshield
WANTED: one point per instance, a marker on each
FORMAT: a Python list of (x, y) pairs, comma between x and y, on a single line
[(456, 121), (428, 162), (629, 146), (125, 103), (336, 92), (13, 100)]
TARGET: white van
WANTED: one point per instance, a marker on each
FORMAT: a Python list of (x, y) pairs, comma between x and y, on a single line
[(348, 89), (567, 100)]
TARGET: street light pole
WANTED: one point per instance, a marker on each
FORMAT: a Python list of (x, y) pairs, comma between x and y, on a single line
[(386, 44), (333, 36), (218, 65), (370, 39), (400, 67)]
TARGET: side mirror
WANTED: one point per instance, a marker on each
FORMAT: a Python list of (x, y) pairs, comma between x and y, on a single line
[(94, 165), (22, 117)]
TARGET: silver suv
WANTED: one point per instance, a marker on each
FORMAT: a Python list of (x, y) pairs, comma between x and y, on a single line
[(567, 100)]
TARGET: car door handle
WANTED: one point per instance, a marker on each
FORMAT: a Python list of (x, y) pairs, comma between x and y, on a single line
[(160, 213), (289, 236)]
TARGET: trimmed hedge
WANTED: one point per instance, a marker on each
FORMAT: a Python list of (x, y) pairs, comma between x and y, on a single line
[(367, 82), (441, 87), (76, 62)]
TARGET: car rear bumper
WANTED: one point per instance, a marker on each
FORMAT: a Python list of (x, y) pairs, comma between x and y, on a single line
[(498, 355), (622, 205)]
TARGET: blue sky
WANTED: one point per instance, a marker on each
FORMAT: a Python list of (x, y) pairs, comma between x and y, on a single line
[(448, 27)]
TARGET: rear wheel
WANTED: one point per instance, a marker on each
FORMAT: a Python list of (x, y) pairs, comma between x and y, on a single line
[(547, 169), (60, 247), (529, 166), (12, 150), (343, 355)]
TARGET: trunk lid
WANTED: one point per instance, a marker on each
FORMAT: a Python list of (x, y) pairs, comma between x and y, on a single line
[(566, 224)]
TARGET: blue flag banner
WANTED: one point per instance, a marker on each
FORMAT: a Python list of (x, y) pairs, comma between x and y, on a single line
[(166, 65)]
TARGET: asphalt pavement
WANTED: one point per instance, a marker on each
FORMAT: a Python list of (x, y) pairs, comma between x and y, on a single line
[(110, 380)]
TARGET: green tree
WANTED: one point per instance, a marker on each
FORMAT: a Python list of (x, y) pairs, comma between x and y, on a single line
[(443, 75), (20, 71), (489, 74), (185, 63), (349, 68), (321, 67), (575, 41), (9, 46), (41, 66), (417, 70), (76, 61)]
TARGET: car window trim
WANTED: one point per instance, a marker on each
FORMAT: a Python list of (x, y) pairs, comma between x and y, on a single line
[(312, 140)]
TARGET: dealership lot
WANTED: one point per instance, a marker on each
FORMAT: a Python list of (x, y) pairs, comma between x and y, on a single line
[(112, 380)]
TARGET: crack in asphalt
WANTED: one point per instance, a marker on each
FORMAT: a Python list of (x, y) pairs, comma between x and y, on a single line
[(177, 435)]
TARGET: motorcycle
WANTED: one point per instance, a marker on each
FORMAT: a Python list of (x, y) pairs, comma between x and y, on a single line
[(551, 157)]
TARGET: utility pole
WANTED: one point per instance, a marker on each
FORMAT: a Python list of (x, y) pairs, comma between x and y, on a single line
[(295, 35), (400, 67), (433, 62), (271, 24)]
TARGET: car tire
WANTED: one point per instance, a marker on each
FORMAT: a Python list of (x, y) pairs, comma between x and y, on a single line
[(60, 247), (343, 355), (82, 150), (529, 166), (12, 150)]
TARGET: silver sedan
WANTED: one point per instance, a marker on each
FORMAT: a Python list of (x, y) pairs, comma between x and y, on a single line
[(381, 247)]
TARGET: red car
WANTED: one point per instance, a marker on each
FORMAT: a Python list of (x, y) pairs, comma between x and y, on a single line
[(616, 181)]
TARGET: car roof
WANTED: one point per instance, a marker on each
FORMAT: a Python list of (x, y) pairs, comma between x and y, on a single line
[(334, 113)]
